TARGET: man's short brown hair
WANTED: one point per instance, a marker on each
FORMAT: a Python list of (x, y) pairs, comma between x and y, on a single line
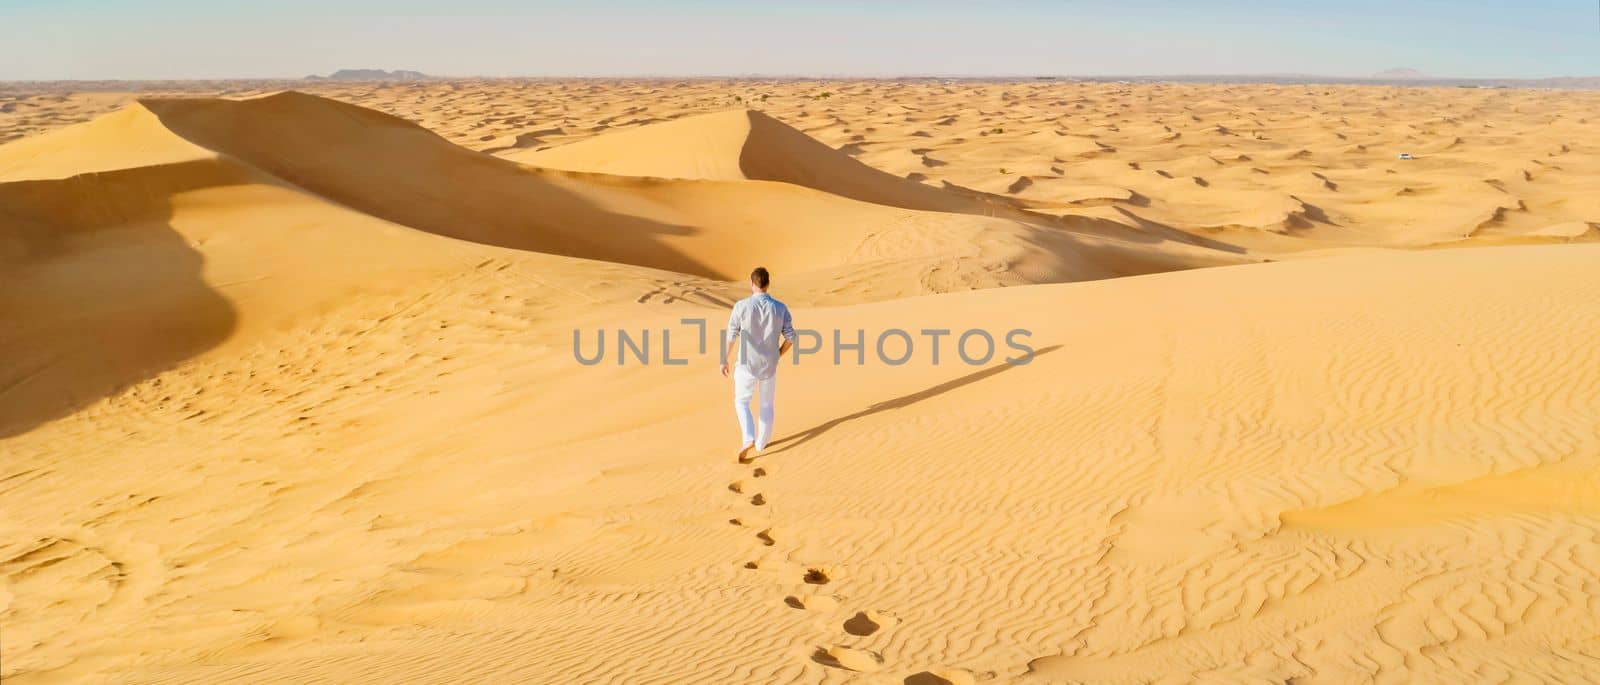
[(760, 277)]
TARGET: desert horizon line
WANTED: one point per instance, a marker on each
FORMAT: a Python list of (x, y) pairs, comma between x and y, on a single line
[(1558, 82), (838, 75)]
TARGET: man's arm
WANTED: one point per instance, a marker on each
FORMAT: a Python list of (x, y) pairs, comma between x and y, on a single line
[(727, 354), (733, 337), (788, 333)]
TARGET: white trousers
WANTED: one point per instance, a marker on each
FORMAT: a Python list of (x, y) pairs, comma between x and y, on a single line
[(744, 386)]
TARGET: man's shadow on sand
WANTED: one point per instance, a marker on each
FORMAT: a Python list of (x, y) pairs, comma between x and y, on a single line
[(798, 439)]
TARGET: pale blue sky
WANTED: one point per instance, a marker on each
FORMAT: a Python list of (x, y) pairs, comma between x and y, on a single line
[(150, 39)]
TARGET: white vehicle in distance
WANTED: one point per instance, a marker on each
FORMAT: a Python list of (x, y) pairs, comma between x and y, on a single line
[(1406, 155)]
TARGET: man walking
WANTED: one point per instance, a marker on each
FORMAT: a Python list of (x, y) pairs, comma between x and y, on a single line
[(764, 330)]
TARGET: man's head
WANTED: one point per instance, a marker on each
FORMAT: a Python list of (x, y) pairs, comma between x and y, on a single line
[(759, 280)]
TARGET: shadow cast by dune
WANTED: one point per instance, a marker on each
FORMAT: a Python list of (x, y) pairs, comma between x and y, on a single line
[(798, 439), (782, 153), (1159, 232), (100, 290)]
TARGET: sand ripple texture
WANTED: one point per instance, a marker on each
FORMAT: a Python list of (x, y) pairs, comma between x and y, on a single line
[(287, 388)]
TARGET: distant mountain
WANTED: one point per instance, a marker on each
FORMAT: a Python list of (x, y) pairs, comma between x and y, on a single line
[(1400, 73), (371, 75)]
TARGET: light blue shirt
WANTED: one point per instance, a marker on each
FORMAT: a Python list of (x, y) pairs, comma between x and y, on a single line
[(759, 321)]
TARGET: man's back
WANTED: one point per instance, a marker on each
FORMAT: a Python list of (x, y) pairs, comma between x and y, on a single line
[(761, 323), (764, 331)]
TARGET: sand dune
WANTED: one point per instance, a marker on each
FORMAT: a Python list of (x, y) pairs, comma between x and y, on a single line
[(981, 137), (740, 144), (288, 390), (398, 172), (177, 175)]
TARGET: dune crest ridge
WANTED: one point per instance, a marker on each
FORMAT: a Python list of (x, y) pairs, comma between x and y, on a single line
[(740, 144)]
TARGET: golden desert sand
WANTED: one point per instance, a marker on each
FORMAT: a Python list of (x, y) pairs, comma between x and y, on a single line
[(288, 389)]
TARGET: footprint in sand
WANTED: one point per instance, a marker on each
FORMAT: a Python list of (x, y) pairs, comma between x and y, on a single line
[(818, 603), (816, 576), (758, 499), (758, 473), (839, 656), (940, 677), (866, 623)]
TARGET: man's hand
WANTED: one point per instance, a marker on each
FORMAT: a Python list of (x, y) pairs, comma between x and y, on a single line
[(727, 353)]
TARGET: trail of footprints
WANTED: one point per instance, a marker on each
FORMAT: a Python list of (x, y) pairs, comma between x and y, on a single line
[(860, 624)]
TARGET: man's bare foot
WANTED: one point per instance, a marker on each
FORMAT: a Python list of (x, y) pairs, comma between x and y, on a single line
[(744, 454)]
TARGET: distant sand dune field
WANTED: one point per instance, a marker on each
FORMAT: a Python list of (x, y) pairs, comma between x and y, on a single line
[(288, 389)]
